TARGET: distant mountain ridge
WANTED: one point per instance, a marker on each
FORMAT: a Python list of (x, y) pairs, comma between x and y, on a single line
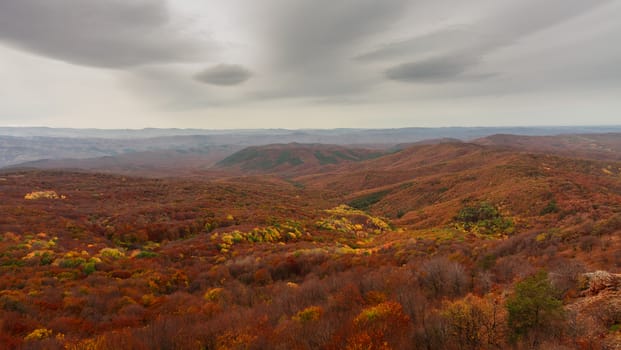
[(16, 150), (21, 145), (408, 134), (146, 163)]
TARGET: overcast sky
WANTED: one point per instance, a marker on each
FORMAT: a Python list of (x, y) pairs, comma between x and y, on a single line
[(309, 63)]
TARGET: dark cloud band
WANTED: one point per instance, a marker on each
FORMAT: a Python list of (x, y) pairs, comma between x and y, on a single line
[(224, 74), (108, 34)]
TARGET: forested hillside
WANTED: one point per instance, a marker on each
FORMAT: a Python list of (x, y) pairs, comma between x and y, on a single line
[(440, 246)]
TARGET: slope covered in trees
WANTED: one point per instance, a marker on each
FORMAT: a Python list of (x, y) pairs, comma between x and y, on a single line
[(447, 246), (591, 146), (294, 159)]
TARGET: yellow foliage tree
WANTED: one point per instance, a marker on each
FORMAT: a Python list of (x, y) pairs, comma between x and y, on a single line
[(474, 322)]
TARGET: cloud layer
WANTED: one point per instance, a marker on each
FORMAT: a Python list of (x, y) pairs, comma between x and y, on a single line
[(107, 34), (465, 47), (401, 59)]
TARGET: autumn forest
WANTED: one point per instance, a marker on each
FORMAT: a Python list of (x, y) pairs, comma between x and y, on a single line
[(441, 245)]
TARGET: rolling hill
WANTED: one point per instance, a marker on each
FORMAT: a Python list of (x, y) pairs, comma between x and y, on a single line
[(426, 186), (294, 158), (589, 146)]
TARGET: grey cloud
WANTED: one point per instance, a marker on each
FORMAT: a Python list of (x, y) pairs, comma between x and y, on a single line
[(321, 52), (456, 50), (431, 70), (224, 74), (308, 44), (109, 34), (499, 29), (430, 42), (312, 32), (169, 88)]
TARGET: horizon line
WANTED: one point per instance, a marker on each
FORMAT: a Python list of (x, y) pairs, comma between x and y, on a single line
[(560, 126)]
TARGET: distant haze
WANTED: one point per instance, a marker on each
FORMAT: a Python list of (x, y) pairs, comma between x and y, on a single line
[(299, 64), (21, 145)]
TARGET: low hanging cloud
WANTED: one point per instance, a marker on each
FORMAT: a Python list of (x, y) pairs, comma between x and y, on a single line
[(224, 75), (104, 34)]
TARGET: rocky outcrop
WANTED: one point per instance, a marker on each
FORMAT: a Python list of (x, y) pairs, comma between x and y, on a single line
[(600, 281), (598, 309)]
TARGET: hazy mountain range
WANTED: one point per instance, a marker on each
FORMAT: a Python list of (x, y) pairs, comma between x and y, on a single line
[(21, 145)]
